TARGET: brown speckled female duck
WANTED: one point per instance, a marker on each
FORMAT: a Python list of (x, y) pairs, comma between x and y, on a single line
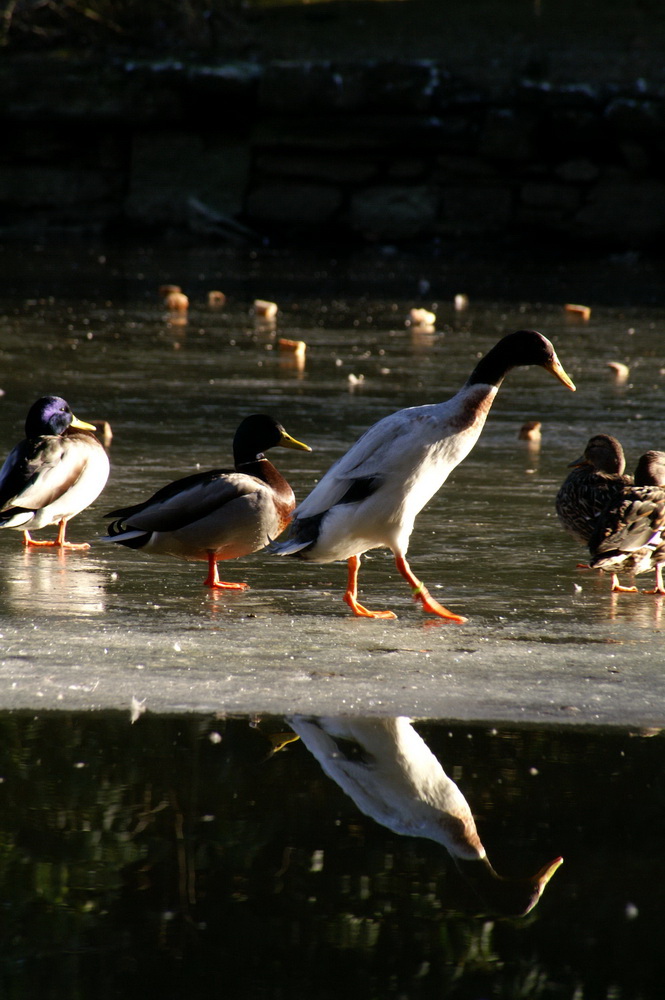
[(629, 533), (597, 477)]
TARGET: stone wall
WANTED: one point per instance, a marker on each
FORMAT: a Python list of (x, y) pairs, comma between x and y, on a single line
[(388, 151)]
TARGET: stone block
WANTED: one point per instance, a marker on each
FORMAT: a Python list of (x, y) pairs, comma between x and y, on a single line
[(54, 187), (476, 208), (168, 170), (558, 198), (580, 171), (338, 169), (296, 86), (636, 119), (291, 203), (624, 212), (452, 165), (506, 135), (398, 87), (546, 95), (394, 211)]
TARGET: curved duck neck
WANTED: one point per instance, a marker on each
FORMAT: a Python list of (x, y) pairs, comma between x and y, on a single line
[(262, 468), (492, 368)]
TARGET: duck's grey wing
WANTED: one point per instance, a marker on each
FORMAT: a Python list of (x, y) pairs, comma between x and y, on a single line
[(186, 501)]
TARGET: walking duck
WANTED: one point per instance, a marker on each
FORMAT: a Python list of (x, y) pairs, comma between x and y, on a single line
[(371, 496)]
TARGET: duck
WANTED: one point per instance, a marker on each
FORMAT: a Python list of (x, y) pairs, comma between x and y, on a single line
[(218, 514), (531, 431), (629, 535), (597, 478), (372, 495), (388, 770), (54, 473)]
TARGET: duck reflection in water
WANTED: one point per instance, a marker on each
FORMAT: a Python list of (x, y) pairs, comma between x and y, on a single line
[(388, 770), (56, 586)]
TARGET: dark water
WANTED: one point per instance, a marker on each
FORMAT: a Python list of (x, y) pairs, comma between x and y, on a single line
[(184, 856)]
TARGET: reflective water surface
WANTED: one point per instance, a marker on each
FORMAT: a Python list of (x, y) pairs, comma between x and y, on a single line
[(199, 855)]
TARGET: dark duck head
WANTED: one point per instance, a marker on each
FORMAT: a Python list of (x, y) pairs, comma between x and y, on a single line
[(526, 347), (52, 415), (650, 469), (256, 434)]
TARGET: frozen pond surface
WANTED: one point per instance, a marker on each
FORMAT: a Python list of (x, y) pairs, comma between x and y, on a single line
[(545, 641)]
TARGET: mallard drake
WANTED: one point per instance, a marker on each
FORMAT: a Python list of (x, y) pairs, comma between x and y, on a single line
[(629, 533), (597, 478), (219, 514), (371, 496), (391, 774), (57, 471)]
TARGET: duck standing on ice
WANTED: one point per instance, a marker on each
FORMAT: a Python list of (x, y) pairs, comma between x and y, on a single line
[(371, 496), (57, 471), (219, 514), (629, 534), (597, 478)]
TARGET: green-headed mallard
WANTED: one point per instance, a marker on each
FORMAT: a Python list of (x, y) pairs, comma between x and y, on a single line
[(219, 514), (57, 471)]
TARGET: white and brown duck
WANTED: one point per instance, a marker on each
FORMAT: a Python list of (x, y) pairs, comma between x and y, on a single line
[(372, 495)]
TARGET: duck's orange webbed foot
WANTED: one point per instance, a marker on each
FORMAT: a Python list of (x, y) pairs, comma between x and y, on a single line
[(213, 581), (351, 595), (362, 612), (57, 543), (422, 594), (618, 589)]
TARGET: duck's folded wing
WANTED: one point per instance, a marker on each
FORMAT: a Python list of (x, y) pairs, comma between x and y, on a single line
[(187, 500), (363, 468), (36, 474), (628, 527), (11, 477)]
